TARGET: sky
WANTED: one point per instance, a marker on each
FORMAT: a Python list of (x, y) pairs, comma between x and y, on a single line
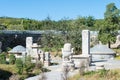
[(55, 9)]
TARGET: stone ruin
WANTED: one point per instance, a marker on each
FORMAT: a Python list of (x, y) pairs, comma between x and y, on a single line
[(75, 61), (67, 52), (117, 43), (33, 49)]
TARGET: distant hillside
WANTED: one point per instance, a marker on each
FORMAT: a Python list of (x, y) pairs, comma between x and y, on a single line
[(9, 23)]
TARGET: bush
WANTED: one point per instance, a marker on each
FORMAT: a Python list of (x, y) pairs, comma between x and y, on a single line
[(19, 65), (12, 59), (28, 65), (39, 65), (2, 58)]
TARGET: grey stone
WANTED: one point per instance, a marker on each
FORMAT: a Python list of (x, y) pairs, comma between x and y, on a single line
[(85, 42)]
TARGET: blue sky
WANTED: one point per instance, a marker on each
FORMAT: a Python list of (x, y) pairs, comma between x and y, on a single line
[(55, 9)]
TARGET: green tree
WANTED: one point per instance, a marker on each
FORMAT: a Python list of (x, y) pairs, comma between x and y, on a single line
[(108, 31), (12, 59), (75, 38), (90, 21)]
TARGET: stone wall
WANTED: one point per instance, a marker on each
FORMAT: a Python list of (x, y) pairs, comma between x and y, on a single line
[(13, 38)]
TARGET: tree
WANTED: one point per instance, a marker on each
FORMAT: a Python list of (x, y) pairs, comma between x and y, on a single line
[(75, 38), (111, 11), (12, 59), (107, 32), (90, 21)]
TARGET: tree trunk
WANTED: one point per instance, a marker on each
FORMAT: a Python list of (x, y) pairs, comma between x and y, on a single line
[(109, 44)]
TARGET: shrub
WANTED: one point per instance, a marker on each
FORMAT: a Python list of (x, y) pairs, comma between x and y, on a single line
[(12, 59), (19, 65), (28, 65), (39, 65), (2, 58)]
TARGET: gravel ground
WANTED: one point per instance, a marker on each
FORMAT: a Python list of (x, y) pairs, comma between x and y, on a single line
[(56, 72)]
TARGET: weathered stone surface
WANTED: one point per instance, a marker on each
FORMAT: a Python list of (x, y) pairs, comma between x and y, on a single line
[(85, 42)]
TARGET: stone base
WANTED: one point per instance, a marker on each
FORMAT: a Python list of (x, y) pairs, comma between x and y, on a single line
[(80, 59), (46, 63), (99, 66), (70, 66)]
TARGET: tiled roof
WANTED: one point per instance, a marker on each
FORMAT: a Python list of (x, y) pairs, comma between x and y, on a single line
[(18, 49), (101, 49)]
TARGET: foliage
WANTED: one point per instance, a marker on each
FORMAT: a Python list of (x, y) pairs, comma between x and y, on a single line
[(12, 59), (39, 65), (6, 71), (28, 65), (111, 10), (51, 41), (19, 65), (75, 38), (99, 75), (110, 26), (2, 58)]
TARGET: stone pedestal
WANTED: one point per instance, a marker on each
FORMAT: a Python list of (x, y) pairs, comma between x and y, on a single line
[(68, 65), (46, 63), (99, 66), (81, 61)]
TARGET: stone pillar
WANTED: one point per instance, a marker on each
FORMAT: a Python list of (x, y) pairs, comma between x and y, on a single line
[(47, 59), (86, 47), (86, 43), (42, 57), (35, 49), (29, 42)]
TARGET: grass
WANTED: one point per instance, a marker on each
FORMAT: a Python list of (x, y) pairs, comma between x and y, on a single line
[(117, 57), (117, 51), (10, 68), (98, 75)]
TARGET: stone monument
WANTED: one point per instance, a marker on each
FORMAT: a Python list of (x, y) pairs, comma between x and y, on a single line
[(67, 52), (41, 55), (29, 42), (86, 47), (86, 43), (35, 50)]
